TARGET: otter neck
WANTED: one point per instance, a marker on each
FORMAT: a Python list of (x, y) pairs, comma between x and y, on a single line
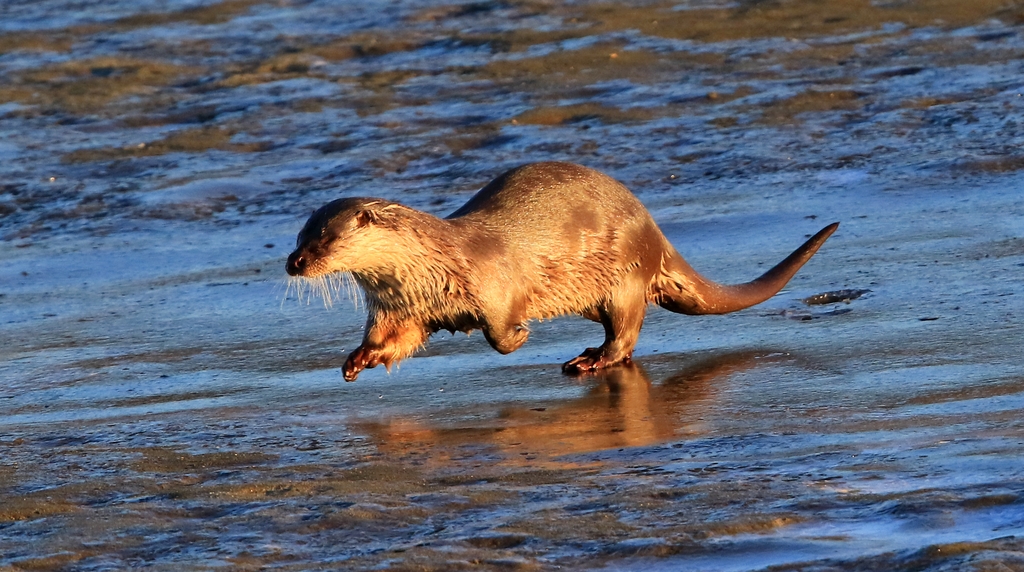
[(424, 269)]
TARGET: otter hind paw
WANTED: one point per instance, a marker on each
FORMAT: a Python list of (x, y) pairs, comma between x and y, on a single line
[(590, 361)]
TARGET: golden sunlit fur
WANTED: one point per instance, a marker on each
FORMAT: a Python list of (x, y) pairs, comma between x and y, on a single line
[(540, 241)]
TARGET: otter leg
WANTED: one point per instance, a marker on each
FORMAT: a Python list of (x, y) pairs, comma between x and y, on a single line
[(622, 316), (505, 338), (384, 343)]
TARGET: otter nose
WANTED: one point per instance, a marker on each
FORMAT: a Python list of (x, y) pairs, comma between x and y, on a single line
[(296, 264)]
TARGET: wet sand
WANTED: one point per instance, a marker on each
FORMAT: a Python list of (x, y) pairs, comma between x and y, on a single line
[(169, 400)]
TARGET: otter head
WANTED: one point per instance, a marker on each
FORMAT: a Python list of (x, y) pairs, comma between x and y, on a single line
[(346, 235)]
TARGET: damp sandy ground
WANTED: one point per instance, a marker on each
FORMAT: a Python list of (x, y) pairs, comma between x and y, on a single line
[(168, 400)]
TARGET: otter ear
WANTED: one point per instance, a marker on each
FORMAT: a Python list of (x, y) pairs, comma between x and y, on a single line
[(365, 217)]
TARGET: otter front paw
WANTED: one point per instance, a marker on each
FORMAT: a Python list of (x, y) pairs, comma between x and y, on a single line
[(359, 360), (507, 341), (591, 360)]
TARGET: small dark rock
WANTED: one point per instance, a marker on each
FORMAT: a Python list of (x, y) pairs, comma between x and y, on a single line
[(834, 297)]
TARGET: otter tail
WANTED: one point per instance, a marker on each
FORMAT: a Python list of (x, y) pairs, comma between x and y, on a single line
[(682, 289)]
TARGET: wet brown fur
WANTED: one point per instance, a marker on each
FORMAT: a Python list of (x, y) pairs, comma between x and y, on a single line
[(540, 241)]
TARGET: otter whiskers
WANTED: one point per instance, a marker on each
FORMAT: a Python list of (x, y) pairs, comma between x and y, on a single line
[(329, 288)]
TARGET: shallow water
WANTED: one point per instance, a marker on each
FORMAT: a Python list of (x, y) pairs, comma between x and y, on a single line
[(168, 399)]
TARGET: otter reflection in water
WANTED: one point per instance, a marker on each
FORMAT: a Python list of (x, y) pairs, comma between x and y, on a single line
[(622, 408)]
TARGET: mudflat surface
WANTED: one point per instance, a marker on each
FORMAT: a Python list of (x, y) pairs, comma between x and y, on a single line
[(168, 399)]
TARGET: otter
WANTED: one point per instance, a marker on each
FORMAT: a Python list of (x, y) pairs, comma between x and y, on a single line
[(540, 241)]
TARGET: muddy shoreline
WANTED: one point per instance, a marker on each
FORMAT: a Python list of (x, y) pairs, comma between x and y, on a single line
[(168, 401)]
